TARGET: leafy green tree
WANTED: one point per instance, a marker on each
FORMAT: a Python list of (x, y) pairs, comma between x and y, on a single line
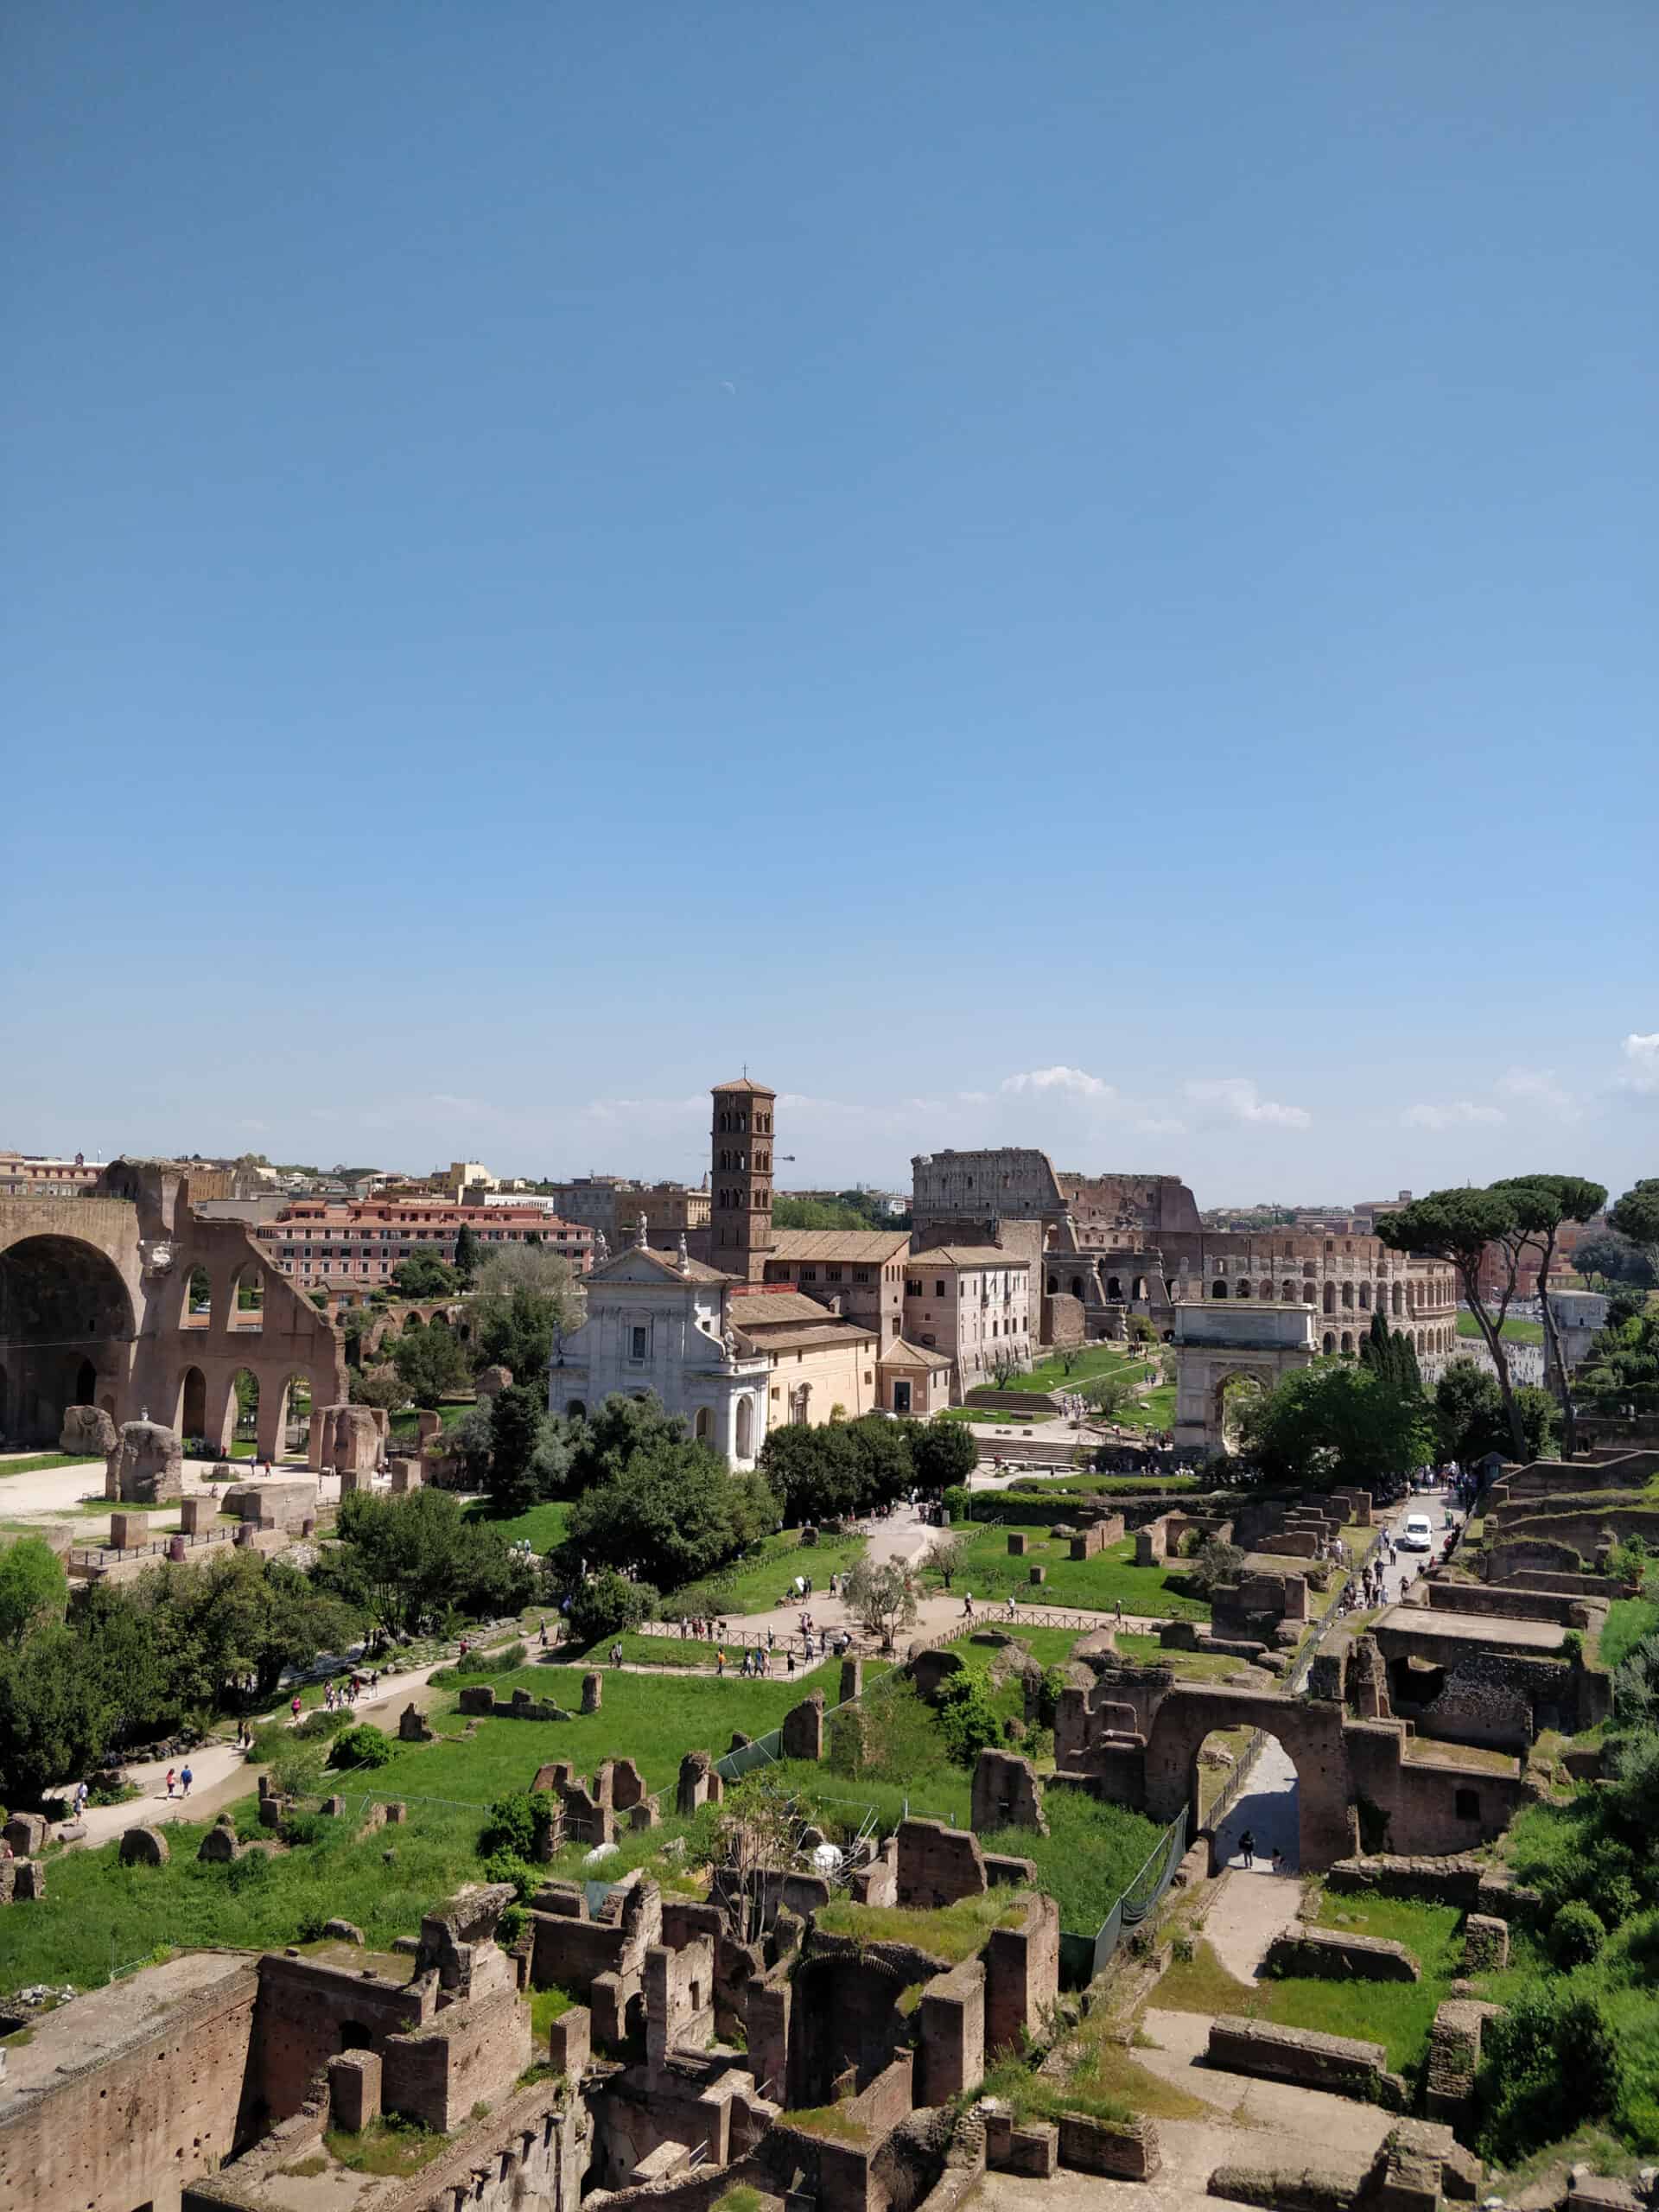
[(381, 1385), (673, 1515), (879, 1598), (883, 1449), (465, 1255), (525, 1303), (607, 1604), (56, 1716), (1604, 1254), (1636, 1215), (431, 1364), (423, 1275), (1547, 1203), (516, 1427), (1109, 1395), (967, 1718), (34, 1590), (603, 1444), (1469, 1420), (1214, 1563), (943, 1452), (1460, 1226), (946, 1556), (1334, 1423), (401, 1558), (816, 1473)]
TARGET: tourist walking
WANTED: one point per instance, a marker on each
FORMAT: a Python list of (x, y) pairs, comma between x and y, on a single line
[(1247, 1847), (185, 1779), (171, 1779)]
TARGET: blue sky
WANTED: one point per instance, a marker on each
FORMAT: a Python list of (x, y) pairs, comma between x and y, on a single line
[(1081, 574)]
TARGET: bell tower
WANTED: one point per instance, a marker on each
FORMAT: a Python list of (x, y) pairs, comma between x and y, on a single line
[(741, 1179)]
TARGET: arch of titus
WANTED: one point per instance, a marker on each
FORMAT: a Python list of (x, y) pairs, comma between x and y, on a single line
[(1216, 1343)]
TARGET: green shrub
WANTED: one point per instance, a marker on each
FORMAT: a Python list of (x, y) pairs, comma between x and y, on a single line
[(969, 1720), (507, 1661), (511, 1926), (503, 1865), (303, 1827), (606, 1604), (519, 1824), (1548, 2064), (1576, 1934), (1572, 1646), (365, 1745)]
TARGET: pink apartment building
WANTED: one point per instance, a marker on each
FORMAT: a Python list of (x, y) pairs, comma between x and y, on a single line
[(356, 1243)]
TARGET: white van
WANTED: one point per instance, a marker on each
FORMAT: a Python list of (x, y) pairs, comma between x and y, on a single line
[(1418, 1534)]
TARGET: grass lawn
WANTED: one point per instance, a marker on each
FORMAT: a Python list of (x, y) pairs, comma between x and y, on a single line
[(1513, 1332), (762, 1580), (1155, 1410), (1098, 1359), (97, 1914), (955, 1932), (1629, 1619), (651, 1718), (1398, 2014), (40, 1463), (1094, 1584), (545, 1524), (404, 1426), (1190, 1666), (988, 1416)]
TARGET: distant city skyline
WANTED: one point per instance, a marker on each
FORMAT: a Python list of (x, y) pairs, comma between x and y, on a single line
[(1212, 1132)]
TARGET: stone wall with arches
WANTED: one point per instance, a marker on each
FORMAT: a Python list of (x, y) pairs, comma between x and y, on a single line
[(1344, 1278), (128, 1294)]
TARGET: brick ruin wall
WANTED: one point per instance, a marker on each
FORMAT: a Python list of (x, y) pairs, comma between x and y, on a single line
[(126, 2131)]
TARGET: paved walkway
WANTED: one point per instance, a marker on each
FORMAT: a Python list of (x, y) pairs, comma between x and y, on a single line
[(221, 1773)]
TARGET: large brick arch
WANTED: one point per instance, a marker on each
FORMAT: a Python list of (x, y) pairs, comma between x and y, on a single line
[(140, 1229), (1311, 1733), (70, 1294)]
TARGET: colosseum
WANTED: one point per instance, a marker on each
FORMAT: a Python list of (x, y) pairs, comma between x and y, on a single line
[(1113, 1245)]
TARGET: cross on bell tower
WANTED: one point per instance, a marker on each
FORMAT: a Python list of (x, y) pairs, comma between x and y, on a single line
[(741, 1149)]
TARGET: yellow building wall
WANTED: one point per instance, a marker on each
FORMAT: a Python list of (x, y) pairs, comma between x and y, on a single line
[(841, 1375)]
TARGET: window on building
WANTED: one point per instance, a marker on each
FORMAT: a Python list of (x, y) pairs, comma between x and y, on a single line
[(638, 1338), (832, 1275), (913, 1289), (861, 1274), (938, 1290)]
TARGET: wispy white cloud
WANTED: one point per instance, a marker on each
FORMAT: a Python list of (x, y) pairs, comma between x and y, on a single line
[(1642, 1061), (1159, 1125), (646, 1113), (1061, 1078), (1460, 1113), (1540, 1088), (1239, 1098)]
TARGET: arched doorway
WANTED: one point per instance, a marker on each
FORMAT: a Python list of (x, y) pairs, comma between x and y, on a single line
[(64, 1310), (293, 1425), (746, 1428), (244, 1411), (1237, 1395), (704, 1428), (1245, 1792), (198, 1301), (192, 1407), (247, 1299)]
